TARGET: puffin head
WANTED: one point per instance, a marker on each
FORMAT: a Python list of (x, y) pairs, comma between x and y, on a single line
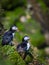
[(25, 38), (13, 29)]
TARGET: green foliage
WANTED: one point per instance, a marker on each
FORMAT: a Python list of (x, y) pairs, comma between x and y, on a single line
[(10, 4), (2, 12), (10, 56), (11, 17), (28, 59), (37, 39), (41, 57), (21, 26), (16, 59)]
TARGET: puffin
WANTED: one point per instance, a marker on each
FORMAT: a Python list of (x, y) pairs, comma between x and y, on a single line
[(24, 45), (8, 36)]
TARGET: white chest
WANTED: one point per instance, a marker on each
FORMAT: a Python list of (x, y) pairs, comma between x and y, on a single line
[(13, 34), (28, 46)]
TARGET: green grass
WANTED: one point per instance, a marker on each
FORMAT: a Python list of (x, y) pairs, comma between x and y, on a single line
[(9, 56), (11, 16)]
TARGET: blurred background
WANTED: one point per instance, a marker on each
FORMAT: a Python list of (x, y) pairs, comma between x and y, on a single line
[(32, 19)]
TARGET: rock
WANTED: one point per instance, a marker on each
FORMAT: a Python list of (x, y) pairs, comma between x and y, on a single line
[(23, 19), (47, 38), (47, 50)]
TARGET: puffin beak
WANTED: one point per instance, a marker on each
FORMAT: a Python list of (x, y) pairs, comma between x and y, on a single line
[(17, 30)]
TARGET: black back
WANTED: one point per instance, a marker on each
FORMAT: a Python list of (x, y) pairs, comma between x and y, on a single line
[(7, 38)]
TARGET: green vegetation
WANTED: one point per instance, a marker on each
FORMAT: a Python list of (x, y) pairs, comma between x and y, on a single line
[(9, 4), (10, 56)]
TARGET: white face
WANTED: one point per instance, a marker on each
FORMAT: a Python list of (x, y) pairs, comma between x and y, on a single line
[(26, 38), (14, 28)]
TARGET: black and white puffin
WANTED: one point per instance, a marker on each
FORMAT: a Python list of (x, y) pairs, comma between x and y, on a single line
[(25, 45), (8, 36)]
